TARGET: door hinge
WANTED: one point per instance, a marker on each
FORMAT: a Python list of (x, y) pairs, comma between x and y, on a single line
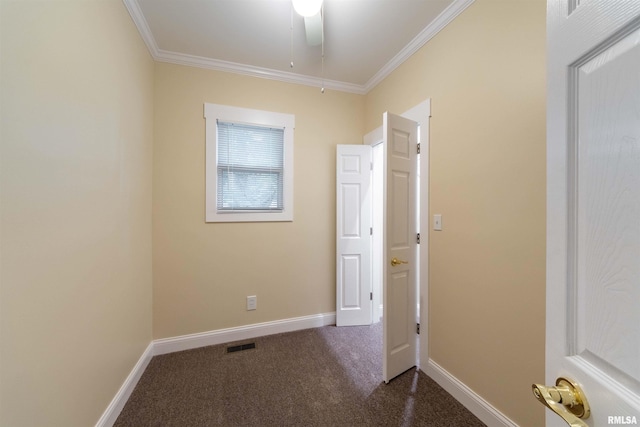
[(370, 296), (418, 239), (370, 231), (371, 166), (418, 148), (418, 328)]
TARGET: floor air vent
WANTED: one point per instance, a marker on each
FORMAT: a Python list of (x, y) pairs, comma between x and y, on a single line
[(241, 347)]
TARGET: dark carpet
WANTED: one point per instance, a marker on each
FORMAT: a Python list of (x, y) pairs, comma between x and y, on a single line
[(316, 377)]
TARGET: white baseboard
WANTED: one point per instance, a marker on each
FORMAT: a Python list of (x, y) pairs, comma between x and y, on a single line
[(470, 399), (221, 336), (112, 412)]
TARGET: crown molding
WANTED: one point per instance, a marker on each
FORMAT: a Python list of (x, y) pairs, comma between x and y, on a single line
[(447, 15), (454, 9), (143, 28), (250, 70)]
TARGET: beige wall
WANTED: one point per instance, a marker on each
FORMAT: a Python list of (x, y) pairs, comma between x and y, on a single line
[(204, 271), (76, 147), (485, 74)]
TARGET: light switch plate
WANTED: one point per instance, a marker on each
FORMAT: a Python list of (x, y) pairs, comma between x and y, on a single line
[(437, 222), (252, 302)]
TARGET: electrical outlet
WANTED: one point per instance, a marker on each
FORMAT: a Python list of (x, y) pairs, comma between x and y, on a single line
[(252, 302)]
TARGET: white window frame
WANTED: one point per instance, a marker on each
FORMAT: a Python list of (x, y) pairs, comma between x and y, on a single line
[(224, 113)]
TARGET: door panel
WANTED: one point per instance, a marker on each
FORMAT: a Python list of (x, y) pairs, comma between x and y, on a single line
[(353, 240), (593, 204), (351, 295), (399, 331), (607, 223), (399, 237)]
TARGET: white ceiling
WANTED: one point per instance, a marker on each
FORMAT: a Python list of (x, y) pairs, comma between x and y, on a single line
[(364, 39)]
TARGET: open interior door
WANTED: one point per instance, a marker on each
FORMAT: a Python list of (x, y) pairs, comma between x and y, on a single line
[(353, 240), (593, 213), (400, 244)]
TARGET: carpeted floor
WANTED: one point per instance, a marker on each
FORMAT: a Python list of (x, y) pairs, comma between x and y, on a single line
[(316, 377)]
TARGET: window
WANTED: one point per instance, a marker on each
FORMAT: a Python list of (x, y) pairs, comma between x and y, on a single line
[(249, 165)]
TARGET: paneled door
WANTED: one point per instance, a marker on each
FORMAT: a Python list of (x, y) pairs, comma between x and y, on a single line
[(593, 213), (399, 245), (353, 228)]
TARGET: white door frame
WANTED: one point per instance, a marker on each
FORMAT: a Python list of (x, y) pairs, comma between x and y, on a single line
[(421, 114), (377, 205)]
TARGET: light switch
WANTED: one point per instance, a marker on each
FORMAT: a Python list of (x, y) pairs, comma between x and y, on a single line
[(437, 222)]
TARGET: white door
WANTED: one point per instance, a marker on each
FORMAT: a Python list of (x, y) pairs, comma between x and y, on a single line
[(400, 243), (593, 206), (353, 240)]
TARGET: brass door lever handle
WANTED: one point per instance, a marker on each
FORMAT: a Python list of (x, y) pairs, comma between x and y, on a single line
[(565, 399), (395, 261)]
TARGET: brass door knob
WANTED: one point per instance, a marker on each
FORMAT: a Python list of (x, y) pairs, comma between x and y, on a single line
[(565, 399), (395, 261)]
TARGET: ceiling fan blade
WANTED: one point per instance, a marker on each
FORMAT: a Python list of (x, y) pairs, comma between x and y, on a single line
[(313, 28)]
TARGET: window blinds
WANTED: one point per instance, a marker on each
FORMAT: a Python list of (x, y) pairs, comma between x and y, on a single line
[(250, 167)]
